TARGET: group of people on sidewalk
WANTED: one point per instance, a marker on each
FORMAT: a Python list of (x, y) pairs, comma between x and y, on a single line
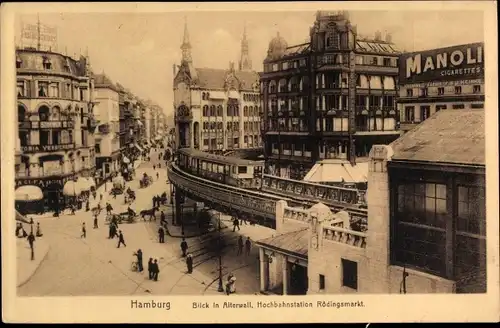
[(153, 267)]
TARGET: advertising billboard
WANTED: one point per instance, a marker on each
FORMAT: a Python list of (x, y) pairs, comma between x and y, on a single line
[(463, 62), (39, 36)]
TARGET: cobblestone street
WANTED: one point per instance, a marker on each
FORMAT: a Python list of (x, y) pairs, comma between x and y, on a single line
[(95, 266)]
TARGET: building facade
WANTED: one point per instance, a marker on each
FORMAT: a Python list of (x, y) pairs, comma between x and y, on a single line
[(55, 127), (445, 78), (216, 109), (426, 224), (107, 114), (333, 97)]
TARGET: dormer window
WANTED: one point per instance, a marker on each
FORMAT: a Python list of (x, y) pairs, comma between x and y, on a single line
[(46, 63)]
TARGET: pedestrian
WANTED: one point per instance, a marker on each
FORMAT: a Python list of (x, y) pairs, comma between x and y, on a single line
[(87, 206), (236, 224), (240, 246), (114, 194), (248, 246), (112, 231), (95, 222), (139, 260), (184, 247), (161, 235), (31, 240), (157, 176), (38, 230), (73, 209), (154, 167), (150, 268), (154, 201), (121, 240), (189, 263), (156, 270), (99, 208), (84, 231), (163, 218), (100, 197), (159, 165)]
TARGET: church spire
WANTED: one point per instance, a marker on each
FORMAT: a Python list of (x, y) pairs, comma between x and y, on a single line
[(186, 45), (245, 62)]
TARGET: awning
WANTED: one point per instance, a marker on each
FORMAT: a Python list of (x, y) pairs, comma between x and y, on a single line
[(125, 160), (83, 184), (217, 95), (234, 94), (138, 148), (71, 189), (22, 218), (29, 193)]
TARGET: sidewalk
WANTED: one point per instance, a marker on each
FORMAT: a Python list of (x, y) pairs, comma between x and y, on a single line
[(26, 268)]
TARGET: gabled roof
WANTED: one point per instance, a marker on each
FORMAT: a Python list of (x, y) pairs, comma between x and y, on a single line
[(214, 78), (295, 242), (454, 136), (103, 81), (365, 45)]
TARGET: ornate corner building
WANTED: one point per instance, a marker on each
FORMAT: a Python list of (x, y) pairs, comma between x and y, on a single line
[(216, 109), (55, 128), (332, 97)]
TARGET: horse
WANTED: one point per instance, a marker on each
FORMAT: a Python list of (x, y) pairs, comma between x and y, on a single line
[(150, 213)]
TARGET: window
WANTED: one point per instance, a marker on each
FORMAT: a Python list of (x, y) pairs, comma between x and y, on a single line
[(480, 105), (421, 221), (439, 107), (44, 138), (441, 91), (97, 148), (43, 89), (374, 61), (21, 92), (205, 142), (54, 90), (409, 92), (241, 169), (387, 61), (409, 114), (349, 274), (321, 282), (425, 112), (458, 106), (46, 63), (471, 210), (476, 89), (424, 92), (458, 90)]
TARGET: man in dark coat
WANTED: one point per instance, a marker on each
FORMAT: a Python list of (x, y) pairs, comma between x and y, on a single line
[(236, 224), (248, 246), (121, 240), (150, 268), (184, 247), (31, 241), (139, 260), (189, 263), (161, 235), (240, 245), (156, 270), (84, 231), (163, 218), (95, 222)]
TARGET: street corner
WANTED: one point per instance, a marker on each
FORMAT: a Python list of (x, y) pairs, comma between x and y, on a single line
[(26, 267)]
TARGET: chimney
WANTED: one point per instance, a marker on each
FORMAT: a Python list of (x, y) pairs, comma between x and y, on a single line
[(378, 36), (388, 38)]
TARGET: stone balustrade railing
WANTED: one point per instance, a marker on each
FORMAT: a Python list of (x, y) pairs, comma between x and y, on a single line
[(297, 214), (313, 191), (231, 197), (345, 236)]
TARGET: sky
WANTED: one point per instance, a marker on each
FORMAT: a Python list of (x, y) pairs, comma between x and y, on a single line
[(138, 49)]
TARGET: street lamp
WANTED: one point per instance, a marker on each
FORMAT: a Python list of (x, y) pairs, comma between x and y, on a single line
[(31, 224), (280, 114), (221, 288), (182, 219)]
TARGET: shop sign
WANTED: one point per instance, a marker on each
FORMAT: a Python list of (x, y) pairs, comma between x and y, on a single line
[(461, 62), (42, 183), (46, 148), (56, 124)]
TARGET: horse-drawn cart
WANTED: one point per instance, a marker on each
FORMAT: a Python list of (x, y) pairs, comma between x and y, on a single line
[(146, 181), (124, 217)]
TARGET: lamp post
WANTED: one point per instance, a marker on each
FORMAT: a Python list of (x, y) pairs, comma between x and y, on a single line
[(280, 114), (221, 288), (182, 219), (31, 225)]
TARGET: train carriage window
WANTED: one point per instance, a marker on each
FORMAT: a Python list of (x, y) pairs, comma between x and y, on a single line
[(203, 165), (234, 169), (242, 169)]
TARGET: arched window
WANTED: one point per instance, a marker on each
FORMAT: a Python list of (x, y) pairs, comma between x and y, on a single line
[(55, 114), (250, 111), (293, 84), (282, 87), (43, 113), (203, 96), (219, 110), (212, 110), (205, 110), (21, 113), (245, 111)]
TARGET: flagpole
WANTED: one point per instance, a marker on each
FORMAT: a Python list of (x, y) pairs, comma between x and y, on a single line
[(38, 29)]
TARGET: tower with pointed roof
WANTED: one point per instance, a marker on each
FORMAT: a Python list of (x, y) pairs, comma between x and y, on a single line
[(245, 62), (186, 45)]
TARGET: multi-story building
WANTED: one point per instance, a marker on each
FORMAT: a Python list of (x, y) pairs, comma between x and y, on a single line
[(333, 97), (216, 109), (445, 78), (56, 127), (426, 225), (107, 114)]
